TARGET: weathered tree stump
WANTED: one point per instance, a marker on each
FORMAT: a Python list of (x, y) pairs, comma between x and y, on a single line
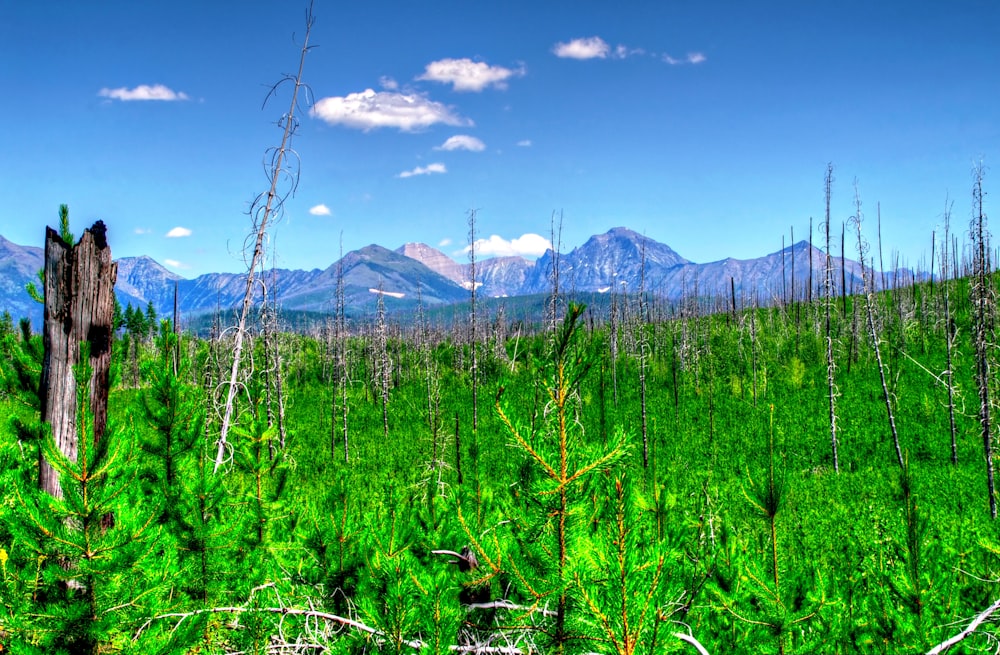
[(79, 306)]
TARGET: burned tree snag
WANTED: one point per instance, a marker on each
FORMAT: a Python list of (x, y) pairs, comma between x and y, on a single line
[(79, 305)]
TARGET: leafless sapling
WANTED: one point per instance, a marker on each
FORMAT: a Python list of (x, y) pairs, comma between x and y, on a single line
[(828, 299), (983, 301), (281, 168), (870, 310)]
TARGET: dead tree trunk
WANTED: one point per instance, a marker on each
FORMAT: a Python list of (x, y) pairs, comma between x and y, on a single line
[(79, 306), (828, 300)]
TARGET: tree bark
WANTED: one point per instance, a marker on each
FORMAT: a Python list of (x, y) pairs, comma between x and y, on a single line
[(79, 307)]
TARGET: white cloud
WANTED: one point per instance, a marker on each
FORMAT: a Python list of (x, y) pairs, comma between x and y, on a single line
[(142, 230), (593, 47), (320, 210), (444, 243), (143, 92), (424, 170), (173, 263), (690, 58), (388, 83), (468, 75), (369, 110), (528, 245), (524, 143), (179, 232), (462, 142)]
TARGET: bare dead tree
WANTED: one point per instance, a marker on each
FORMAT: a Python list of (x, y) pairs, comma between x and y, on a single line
[(341, 340), (983, 301), (499, 334), (827, 296), (553, 313), (643, 345), (282, 168), (795, 299), (79, 308), (810, 261), (881, 263), (473, 341), (949, 332), (383, 365), (843, 269), (753, 346), (870, 309), (613, 329), (177, 333)]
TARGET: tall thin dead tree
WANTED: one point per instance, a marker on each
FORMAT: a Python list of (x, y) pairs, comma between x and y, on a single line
[(949, 331), (553, 308), (828, 299), (613, 328), (79, 308), (281, 166), (383, 365), (810, 297), (341, 346), (983, 329), (643, 347), (784, 280), (473, 336), (870, 310)]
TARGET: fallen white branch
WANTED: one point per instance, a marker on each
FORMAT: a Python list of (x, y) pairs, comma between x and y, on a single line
[(691, 640), (285, 611), (972, 627), (507, 605)]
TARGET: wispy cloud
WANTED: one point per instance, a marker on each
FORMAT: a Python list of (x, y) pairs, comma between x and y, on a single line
[(622, 51), (388, 83), (179, 232), (462, 142), (593, 47), (143, 92), (320, 210), (690, 58), (369, 110), (524, 143), (142, 230), (444, 243), (468, 75), (527, 245), (424, 170), (173, 263)]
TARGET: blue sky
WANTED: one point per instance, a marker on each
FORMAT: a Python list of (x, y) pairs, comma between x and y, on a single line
[(705, 125)]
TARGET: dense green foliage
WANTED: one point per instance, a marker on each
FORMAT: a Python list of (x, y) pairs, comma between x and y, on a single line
[(738, 531)]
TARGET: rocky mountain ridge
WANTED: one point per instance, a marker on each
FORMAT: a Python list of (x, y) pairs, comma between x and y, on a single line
[(620, 259)]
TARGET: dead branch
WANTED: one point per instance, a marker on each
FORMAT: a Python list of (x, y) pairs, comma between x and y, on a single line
[(284, 611), (945, 645), (507, 605), (691, 640), (273, 202)]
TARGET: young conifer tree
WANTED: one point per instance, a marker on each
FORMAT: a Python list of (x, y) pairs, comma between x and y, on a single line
[(625, 591), (99, 561), (562, 462)]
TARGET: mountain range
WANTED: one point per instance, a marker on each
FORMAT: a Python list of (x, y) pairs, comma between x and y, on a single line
[(620, 259)]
